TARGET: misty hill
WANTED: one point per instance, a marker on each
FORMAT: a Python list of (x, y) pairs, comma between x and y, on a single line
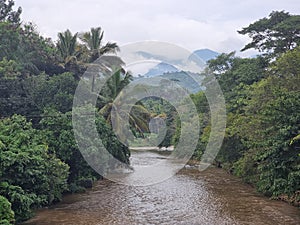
[(205, 54), (168, 71), (160, 69), (200, 56), (183, 79)]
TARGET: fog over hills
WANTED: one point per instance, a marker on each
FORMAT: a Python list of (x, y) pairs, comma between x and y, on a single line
[(205, 54), (200, 56), (171, 72)]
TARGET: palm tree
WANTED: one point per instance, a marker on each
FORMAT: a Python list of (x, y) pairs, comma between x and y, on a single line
[(139, 115), (67, 44), (93, 41), (73, 54), (114, 86)]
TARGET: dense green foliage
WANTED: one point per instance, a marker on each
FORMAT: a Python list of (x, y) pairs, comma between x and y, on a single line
[(6, 213), (269, 122), (31, 176), (39, 158), (30, 96), (261, 144), (59, 135)]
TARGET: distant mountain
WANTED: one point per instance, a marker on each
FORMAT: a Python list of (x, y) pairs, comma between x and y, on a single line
[(200, 57), (167, 71), (160, 69), (205, 54), (183, 79)]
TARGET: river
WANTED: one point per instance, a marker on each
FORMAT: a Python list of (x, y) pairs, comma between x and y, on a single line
[(190, 197)]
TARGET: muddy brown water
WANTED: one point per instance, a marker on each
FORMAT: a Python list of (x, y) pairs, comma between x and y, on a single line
[(190, 197)]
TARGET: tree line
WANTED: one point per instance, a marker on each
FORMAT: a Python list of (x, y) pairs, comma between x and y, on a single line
[(262, 140), (39, 157)]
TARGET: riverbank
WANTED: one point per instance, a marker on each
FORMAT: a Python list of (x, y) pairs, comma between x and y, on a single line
[(293, 200)]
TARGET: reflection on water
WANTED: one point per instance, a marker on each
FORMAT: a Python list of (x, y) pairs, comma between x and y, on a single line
[(189, 197)]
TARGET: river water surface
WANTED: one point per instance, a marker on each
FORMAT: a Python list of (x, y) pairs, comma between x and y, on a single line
[(190, 197)]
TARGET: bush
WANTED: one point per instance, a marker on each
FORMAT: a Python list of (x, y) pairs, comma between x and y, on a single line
[(30, 176), (7, 216)]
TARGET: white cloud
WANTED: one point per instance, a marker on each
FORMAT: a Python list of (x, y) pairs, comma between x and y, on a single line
[(192, 24)]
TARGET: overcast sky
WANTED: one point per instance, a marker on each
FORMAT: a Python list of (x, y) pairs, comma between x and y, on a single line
[(191, 24)]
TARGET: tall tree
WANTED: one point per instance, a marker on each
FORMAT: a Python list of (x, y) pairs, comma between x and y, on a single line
[(66, 45), (71, 52), (233, 73), (31, 52), (139, 115), (276, 34), (10, 38), (7, 14), (35, 53), (93, 41)]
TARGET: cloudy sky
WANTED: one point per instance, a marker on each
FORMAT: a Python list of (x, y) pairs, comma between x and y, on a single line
[(192, 24)]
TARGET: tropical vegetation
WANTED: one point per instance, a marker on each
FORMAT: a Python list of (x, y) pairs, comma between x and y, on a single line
[(40, 159)]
